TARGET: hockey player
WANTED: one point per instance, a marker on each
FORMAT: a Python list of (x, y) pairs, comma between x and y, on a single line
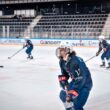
[(105, 47), (29, 45), (74, 94)]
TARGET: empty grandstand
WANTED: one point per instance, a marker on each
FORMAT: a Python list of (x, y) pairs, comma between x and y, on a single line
[(54, 19)]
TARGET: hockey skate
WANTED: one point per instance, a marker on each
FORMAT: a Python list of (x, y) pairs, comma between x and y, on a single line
[(103, 64)]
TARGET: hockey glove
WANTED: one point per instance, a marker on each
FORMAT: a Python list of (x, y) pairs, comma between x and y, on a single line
[(63, 81), (72, 94)]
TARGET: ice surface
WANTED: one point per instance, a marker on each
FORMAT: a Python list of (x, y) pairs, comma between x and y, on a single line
[(33, 85)]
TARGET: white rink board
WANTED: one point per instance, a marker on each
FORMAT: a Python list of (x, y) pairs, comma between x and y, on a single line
[(74, 42)]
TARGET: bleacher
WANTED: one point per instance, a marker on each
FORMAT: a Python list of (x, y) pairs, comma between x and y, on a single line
[(54, 18), (75, 26), (68, 26), (15, 26)]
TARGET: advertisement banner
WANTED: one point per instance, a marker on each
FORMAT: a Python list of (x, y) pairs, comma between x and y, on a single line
[(50, 42)]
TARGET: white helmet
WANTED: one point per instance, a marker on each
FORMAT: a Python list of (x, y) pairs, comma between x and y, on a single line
[(26, 38), (101, 37), (67, 46)]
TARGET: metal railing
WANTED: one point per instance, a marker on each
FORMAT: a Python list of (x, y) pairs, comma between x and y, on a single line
[(26, 1)]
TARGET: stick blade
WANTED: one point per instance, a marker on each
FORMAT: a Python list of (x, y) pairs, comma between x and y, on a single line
[(9, 57), (1, 66)]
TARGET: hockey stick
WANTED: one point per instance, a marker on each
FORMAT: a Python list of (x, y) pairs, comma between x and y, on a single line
[(90, 58), (15, 53), (66, 90)]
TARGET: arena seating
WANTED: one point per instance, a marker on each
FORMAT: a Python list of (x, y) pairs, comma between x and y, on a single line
[(68, 26), (16, 26), (85, 25)]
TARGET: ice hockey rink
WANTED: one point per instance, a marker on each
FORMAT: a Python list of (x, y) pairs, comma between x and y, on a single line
[(33, 85)]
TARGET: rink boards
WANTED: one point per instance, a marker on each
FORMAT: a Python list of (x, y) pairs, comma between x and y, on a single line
[(51, 42)]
